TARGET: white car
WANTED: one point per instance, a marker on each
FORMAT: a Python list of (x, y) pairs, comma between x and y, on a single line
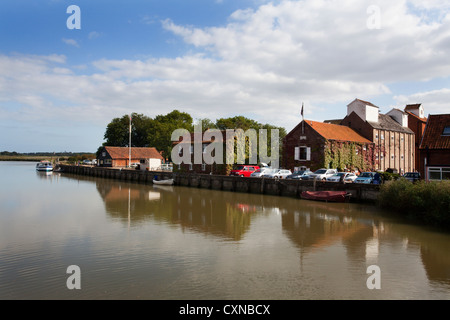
[(345, 176), (262, 172), (322, 174), (278, 174)]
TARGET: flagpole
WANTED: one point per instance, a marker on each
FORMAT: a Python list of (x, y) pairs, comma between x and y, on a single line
[(129, 144), (303, 121)]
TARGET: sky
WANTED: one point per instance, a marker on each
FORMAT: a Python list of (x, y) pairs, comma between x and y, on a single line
[(64, 74)]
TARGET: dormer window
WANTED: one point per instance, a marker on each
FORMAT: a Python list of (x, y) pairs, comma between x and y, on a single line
[(446, 131)]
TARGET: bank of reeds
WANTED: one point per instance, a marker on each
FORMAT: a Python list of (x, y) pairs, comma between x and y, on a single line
[(426, 201)]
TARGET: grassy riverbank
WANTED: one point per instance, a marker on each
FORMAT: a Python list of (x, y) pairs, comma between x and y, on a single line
[(426, 201)]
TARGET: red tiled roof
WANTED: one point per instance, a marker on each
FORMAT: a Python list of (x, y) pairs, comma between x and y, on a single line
[(336, 132), (136, 153), (433, 137)]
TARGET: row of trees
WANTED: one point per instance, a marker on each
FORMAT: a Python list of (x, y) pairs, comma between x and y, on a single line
[(156, 132)]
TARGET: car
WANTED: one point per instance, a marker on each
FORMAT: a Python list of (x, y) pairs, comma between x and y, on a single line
[(279, 174), (322, 174), (87, 162), (244, 170), (342, 176), (412, 176), (261, 172), (299, 175), (365, 177)]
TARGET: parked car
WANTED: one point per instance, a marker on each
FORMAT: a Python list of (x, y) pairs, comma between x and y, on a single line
[(262, 172), (300, 174), (279, 174), (87, 162), (244, 171), (342, 176), (322, 174), (412, 176), (365, 177)]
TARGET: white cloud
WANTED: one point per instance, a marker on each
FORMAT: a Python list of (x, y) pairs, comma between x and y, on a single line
[(263, 64), (71, 42), (434, 101)]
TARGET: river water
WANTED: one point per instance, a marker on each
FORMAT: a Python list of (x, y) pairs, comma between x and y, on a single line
[(134, 241)]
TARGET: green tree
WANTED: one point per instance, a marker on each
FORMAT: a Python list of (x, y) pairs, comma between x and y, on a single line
[(117, 131), (160, 133)]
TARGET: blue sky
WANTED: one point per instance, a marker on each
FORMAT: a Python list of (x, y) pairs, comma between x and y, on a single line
[(59, 88)]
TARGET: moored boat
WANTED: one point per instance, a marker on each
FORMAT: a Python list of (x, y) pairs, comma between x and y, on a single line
[(44, 165), (163, 182), (329, 196)]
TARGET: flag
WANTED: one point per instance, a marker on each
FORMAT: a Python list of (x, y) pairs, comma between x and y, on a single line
[(302, 110), (130, 123)]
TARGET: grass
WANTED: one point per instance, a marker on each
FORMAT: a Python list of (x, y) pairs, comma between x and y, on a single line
[(426, 201)]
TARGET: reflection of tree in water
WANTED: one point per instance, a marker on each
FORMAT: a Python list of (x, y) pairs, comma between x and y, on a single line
[(134, 203), (211, 212)]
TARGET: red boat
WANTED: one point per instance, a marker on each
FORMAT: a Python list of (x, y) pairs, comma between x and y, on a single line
[(329, 196)]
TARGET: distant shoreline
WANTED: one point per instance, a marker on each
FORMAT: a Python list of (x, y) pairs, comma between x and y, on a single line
[(29, 158)]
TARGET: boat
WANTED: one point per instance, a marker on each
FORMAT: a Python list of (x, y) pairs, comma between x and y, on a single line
[(328, 196), (44, 165), (163, 182)]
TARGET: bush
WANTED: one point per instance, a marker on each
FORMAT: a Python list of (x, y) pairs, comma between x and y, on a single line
[(427, 201)]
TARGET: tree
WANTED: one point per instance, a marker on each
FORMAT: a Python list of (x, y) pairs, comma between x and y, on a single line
[(117, 131), (160, 133)]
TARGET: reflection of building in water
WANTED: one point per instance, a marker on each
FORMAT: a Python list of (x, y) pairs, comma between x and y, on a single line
[(316, 225)]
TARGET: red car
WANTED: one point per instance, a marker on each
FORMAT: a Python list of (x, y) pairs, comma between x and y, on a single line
[(244, 170)]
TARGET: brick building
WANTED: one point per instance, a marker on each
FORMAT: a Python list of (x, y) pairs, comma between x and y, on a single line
[(394, 141), (316, 145), (416, 122), (120, 156), (435, 148)]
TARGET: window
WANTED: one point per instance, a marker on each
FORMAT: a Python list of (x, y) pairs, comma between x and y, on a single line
[(376, 136), (302, 153), (191, 148), (203, 166), (402, 157), (392, 138), (103, 154), (438, 173), (392, 157), (190, 166), (382, 137), (446, 131), (364, 148)]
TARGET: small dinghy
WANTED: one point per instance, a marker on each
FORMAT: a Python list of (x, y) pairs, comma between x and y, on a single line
[(163, 182), (328, 196)]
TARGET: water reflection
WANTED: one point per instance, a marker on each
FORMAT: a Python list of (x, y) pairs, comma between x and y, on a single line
[(366, 235)]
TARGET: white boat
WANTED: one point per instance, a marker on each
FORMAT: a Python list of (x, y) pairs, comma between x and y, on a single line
[(44, 166), (165, 182)]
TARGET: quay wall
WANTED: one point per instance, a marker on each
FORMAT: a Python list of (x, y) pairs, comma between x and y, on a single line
[(283, 187)]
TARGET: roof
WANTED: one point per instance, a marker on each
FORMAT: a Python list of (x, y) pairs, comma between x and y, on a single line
[(385, 122), (432, 136), (336, 132), (416, 117), (412, 106), (367, 102), (192, 137), (136, 153)]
